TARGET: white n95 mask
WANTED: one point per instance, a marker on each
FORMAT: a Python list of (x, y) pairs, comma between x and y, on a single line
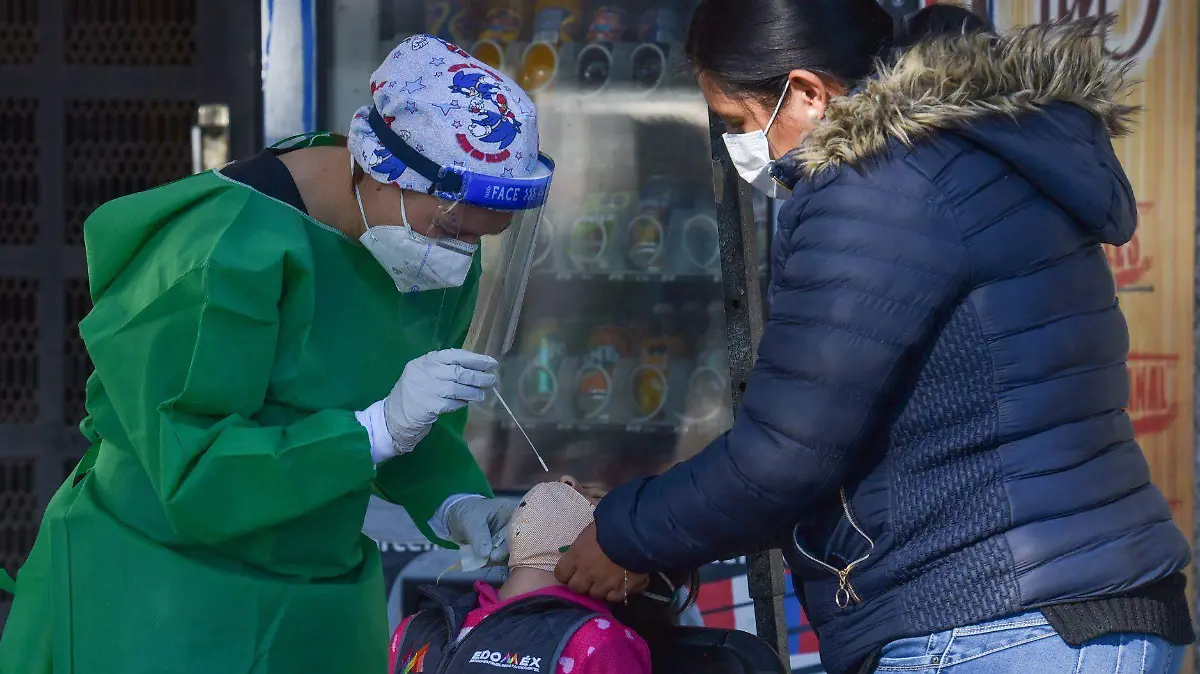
[(548, 520), (751, 155), (416, 262)]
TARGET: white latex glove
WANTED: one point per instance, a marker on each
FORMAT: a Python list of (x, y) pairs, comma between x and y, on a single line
[(481, 524), (432, 385)]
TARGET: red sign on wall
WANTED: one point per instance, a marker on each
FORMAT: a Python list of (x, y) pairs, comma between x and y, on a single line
[(1130, 263), (1152, 404)]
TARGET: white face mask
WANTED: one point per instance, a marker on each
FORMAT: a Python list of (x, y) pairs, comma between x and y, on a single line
[(416, 262), (751, 155)]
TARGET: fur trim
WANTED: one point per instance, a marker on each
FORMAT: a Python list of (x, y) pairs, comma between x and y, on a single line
[(949, 81)]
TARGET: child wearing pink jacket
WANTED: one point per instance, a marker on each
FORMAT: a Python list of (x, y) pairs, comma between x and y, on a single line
[(609, 639)]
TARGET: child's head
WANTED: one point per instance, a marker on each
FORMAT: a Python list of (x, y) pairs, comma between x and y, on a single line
[(549, 519)]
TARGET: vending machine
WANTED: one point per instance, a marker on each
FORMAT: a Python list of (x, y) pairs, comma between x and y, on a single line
[(618, 366)]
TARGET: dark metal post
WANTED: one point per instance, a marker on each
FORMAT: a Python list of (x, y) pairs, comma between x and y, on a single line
[(743, 327)]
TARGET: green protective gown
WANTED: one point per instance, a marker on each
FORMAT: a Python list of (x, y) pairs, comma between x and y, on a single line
[(215, 523)]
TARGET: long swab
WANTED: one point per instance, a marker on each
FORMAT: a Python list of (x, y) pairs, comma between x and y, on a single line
[(521, 428)]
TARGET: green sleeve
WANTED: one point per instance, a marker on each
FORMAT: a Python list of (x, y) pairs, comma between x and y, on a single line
[(187, 373), (441, 465), (445, 467)]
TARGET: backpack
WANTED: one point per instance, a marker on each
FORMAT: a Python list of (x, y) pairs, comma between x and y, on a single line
[(525, 636)]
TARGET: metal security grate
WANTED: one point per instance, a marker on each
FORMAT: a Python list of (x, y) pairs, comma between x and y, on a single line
[(19, 511), (18, 351), (18, 32), (130, 32), (77, 367), (18, 171), (118, 147)]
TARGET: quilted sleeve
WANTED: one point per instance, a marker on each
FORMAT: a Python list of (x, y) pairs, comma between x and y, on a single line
[(862, 279)]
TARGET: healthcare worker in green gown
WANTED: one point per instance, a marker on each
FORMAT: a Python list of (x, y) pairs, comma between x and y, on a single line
[(274, 342)]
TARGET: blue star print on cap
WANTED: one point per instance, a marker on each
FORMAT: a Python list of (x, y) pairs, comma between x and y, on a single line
[(453, 108)]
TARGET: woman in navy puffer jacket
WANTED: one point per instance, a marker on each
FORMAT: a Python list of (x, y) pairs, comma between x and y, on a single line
[(934, 431)]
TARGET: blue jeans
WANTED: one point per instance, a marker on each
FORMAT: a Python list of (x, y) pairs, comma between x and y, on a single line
[(1025, 644)]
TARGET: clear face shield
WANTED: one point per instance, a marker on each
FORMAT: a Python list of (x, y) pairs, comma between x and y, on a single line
[(507, 212), (513, 208)]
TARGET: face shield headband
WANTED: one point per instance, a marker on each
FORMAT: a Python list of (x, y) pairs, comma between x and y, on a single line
[(455, 184)]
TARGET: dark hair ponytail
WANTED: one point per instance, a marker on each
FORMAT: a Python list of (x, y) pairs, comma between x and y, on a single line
[(652, 618), (750, 46)]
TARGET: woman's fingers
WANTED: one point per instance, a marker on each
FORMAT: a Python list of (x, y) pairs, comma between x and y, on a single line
[(587, 570), (466, 359), (567, 570), (580, 584), (635, 585), (466, 394), (474, 378), (608, 583), (614, 597), (564, 571)]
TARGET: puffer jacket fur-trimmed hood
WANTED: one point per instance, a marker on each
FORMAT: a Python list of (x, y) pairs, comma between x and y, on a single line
[(948, 82), (937, 408)]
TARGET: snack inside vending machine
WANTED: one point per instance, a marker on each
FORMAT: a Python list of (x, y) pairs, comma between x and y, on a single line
[(617, 367)]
